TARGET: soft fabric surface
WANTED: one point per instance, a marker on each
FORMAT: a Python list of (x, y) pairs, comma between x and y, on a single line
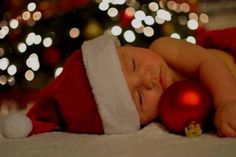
[(151, 141)]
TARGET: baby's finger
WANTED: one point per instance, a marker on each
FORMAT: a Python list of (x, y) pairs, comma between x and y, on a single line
[(228, 131)]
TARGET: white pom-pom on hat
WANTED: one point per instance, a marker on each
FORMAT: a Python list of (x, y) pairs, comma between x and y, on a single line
[(16, 125)]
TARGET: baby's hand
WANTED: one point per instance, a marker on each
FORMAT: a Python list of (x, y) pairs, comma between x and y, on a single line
[(225, 119)]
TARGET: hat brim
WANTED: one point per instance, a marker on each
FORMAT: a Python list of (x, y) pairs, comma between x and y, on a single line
[(114, 102)]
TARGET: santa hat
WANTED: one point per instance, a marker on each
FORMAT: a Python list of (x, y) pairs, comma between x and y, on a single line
[(89, 96)]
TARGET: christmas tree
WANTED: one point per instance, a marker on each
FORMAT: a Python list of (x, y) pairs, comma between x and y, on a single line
[(37, 36)]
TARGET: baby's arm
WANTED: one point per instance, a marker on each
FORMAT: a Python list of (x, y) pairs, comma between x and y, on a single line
[(194, 61)]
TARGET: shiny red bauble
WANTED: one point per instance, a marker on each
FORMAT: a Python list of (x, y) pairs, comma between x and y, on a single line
[(182, 103)]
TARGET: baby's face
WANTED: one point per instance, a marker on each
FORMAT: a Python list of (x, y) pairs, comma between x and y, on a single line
[(147, 76)]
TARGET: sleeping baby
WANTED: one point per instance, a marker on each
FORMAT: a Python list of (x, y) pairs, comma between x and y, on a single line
[(106, 88)]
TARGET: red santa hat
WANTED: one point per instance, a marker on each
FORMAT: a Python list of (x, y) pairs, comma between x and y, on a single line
[(223, 39), (89, 96)]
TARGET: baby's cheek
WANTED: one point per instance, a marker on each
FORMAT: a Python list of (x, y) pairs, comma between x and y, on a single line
[(153, 98)]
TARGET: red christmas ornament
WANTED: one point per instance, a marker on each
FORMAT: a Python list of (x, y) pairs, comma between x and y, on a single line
[(184, 108)]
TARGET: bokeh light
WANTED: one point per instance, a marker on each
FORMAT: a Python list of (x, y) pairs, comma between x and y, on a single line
[(74, 32), (175, 36), (33, 62), (37, 15), (12, 70), (148, 31), (1, 52), (26, 15), (29, 75), (22, 47), (129, 36), (116, 30), (112, 12), (3, 79), (4, 63), (191, 39), (13, 23), (153, 6), (31, 6), (192, 24), (47, 42), (58, 71)]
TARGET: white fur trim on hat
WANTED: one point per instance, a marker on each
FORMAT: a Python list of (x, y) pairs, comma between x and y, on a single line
[(115, 105)]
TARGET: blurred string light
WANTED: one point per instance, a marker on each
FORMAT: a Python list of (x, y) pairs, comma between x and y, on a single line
[(31, 6), (21, 47), (31, 15), (33, 62), (58, 71), (29, 75), (74, 32), (4, 30), (149, 20), (33, 38), (37, 16), (143, 21), (116, 30), (204, 18), (129, 36), (112, 12), (13, 23), (191, 39), (192, 24), (4, 63), (1, 52), (130, 11), (175, 35), (3, 79), (28, 16), (148, 31), (153, 6), (47, 42), (11, 80), (12, 70)]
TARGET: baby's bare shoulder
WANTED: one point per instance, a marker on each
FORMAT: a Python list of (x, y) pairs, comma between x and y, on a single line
[(227, 58)]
